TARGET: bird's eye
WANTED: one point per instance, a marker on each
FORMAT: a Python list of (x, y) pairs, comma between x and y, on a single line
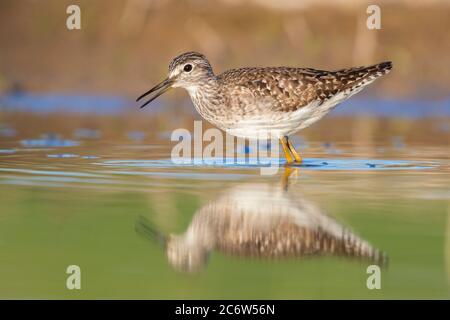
[(187, 68)]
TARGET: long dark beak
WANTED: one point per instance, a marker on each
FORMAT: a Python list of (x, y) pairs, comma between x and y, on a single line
[(146, 229), (156, 91)]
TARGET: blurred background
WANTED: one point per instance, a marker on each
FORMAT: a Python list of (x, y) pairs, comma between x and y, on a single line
[(79, 161), (124, 48)]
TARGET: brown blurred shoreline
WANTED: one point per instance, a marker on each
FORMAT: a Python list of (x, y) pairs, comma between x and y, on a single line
[(125, 46)]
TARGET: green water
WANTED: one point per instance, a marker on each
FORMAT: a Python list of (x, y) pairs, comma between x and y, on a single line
[(56, 212)]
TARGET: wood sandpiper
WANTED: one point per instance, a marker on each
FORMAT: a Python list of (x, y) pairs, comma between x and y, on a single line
[(265, 101)]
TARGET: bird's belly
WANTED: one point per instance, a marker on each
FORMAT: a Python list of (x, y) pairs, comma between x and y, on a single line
[(270, 123), (277, 124)]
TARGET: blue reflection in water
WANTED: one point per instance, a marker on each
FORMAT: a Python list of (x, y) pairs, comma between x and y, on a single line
[(311, 163), (99, 104), (7, 151), (70, 155), (394, 108), (107, 104), (49, 140), (63, 155)]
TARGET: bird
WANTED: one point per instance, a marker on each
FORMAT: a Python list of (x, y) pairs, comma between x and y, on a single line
[(260, 220), (253, 102)]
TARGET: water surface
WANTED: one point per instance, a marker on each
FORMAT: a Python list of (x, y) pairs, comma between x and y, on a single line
[(140, 226)]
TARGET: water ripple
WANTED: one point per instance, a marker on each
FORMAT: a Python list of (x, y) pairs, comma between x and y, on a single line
[(309, 164)]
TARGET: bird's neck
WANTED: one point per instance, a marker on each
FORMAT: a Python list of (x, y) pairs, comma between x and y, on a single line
[(206, 98)]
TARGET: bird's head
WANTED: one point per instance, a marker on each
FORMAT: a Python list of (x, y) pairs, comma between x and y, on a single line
[(188, 71), (186, 254)]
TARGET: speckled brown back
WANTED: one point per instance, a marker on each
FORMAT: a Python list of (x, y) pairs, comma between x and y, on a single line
[(292, 88)]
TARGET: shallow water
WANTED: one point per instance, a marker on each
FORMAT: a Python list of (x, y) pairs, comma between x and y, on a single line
[(140, 226)]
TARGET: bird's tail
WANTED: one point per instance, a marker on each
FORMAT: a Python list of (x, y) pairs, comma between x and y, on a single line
[(378, 70), (354, 79), (357, 247)]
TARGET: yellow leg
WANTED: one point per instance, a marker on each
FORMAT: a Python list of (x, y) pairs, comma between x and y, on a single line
[(294, 152), (288, 171), (287, 154)]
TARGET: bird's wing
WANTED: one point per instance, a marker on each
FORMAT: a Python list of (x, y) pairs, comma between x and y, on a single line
[(288, 89)]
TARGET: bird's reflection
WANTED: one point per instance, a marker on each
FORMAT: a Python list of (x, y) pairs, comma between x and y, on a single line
[(260, 220)]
